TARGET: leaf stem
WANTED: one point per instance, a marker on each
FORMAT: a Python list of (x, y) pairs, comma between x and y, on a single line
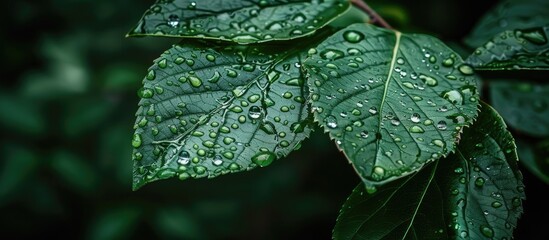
[(372, 13)]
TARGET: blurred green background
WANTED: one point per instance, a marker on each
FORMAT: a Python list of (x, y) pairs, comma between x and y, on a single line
[(67, 105)]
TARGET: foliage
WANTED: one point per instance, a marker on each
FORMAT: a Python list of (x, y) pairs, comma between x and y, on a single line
[(68, 104), (393, 102)]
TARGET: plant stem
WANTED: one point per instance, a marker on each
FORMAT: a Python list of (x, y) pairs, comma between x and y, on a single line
[(372, 13)]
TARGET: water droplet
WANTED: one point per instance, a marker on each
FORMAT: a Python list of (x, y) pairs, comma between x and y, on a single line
[(429, 81), (395, 121), (400, 60), (479, 182), (210, 57), (331, 121), (496, 204), (516, 202), (448, 62), (228, 155), (231, 73), (466, 69), (195, 81), (438, 142), (163, 63), (441, 125), (415, 118), (184, 158), (331, 54), (353, 36), (263, 159), (453, 96), (254, 112), (416, 129), (432, 59), (364, 134), (145, 93), (217, 160), (372, 110), (487, 231), (136, 140), (458, 170), (379, 171), (151, 75)]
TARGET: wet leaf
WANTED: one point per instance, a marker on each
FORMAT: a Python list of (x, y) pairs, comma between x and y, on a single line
[(475, 193), (238, 21), (509, 15), (392, 101), (526, 49), (524, 106), (212, 110)]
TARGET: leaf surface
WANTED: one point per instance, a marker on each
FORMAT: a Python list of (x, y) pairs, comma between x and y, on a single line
[(524, 106), (475, 193), (238, 21), (509, 15), (526, 49), (211, 110), (392, 101)]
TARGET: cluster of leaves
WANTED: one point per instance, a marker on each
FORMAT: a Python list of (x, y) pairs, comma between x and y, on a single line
[(251, 78)]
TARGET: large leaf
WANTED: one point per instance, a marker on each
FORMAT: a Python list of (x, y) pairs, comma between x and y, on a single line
[(524, 106), (392, 101), (509, 15), (475, 193), (238, 21), (514, 49), (211, 110)]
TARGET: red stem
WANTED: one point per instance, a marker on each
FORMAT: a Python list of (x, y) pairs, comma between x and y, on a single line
[(373, 14)]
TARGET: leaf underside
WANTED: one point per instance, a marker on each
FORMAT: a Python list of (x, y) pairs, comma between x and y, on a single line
[(526, 49), (509, 15), (211, 110), (392, 101), (475, 193), (524, 106), (238, 21)]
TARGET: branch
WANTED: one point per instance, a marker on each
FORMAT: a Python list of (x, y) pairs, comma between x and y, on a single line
[(373, 14)]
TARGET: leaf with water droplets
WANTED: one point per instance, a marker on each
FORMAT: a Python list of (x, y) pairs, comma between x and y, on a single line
[(238, 21), (475, 193), (526, 49), (392, 101), (523, 105), (212, 110), (509, 15)]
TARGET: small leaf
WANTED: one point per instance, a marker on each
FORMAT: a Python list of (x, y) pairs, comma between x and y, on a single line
[(475, 193), (526, 49), (211, 110), (509, 15), (238, 21), (524, 106), (392, 101)]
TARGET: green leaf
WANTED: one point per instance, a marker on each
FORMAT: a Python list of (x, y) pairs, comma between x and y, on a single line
[(509, 15), (238, 21), (211, 110), (19, 164), (115, 223), (392, 101), (526, 49), (74, 171), (535, 157), (475, 193), (524, 106)]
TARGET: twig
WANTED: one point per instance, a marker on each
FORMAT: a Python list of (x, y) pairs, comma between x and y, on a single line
[(373, 14)]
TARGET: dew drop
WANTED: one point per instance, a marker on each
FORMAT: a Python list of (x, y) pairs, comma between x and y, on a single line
[(184, 158), (372, 110), (441, 125), (254, 112), (331, 121), (353, 36), (263, 159), (331, 54), (136, 140), (415, 118), (486, 231), (416, 129), (466, 69)]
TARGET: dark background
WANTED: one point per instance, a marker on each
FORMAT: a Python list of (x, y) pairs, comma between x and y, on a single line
[(67, 105)]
